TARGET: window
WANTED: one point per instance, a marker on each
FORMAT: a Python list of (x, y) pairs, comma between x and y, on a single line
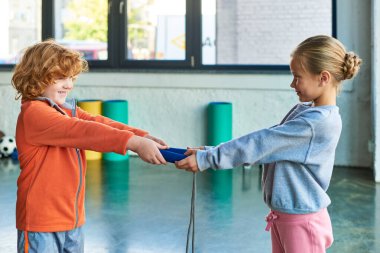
[(20, 26), (172, 34), (82, 25), (156, 30), (259, 32)]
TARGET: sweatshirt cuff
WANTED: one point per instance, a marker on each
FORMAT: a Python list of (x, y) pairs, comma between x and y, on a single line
[(126, 146), (202, 161)]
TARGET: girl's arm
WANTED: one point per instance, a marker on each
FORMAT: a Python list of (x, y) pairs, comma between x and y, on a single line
[(290, 141)]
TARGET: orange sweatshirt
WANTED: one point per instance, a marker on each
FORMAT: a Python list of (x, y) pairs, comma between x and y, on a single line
[(51, 144)]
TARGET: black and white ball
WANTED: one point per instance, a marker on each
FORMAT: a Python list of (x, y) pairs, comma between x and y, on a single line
[(7, 146)]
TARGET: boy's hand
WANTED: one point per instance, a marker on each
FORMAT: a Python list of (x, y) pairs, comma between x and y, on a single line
[(147, 149), (190, 163), (159, 141)]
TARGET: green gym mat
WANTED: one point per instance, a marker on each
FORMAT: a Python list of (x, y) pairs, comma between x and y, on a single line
[(219, 123), (118, 111)]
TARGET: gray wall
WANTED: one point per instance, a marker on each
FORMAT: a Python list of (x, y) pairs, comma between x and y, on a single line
[(250, 32), (172, 105)]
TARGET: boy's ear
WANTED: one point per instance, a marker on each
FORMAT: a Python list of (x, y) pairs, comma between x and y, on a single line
[(324, 78)]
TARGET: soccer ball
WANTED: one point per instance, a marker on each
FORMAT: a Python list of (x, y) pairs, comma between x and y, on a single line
[(7, 146)]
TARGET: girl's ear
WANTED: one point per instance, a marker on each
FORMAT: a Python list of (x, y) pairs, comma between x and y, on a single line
[(324, 78)]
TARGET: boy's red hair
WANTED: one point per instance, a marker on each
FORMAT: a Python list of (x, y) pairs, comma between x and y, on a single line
[(42, 64)]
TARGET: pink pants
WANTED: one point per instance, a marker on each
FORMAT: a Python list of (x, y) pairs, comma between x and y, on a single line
[(300, 233)]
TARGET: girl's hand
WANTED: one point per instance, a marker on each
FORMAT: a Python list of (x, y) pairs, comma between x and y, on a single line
[(190, 163), (159, 141), (147, 149), (190, 149)]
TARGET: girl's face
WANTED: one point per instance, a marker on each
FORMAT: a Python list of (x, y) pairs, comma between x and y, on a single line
[(59, 90), (305, 84)]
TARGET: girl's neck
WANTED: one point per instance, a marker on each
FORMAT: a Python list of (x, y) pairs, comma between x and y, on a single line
[(327, 98), (324, 102)]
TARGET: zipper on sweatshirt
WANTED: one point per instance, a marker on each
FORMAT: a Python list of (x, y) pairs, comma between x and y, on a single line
[(73, 114), (78, 191)]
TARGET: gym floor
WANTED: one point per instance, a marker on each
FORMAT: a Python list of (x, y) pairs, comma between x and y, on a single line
[(136, 207)]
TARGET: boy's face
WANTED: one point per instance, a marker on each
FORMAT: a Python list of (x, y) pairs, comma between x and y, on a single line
[(59, 90)]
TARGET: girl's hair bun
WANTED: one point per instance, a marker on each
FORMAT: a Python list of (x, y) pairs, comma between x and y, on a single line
[(351, 65)]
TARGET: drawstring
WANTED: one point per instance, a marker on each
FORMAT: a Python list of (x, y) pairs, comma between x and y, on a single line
[(26, 242), (269, 219)]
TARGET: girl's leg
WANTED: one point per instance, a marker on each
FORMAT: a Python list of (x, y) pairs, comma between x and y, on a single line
[(303, 233), (321, 230), (276, 242)]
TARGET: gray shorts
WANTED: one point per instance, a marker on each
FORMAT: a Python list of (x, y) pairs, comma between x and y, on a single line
[(71, 241)]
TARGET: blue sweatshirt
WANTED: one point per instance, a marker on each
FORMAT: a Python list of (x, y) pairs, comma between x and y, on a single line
[(298, 157)]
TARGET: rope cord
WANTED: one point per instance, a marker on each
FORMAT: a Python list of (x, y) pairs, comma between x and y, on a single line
[(192, 218)]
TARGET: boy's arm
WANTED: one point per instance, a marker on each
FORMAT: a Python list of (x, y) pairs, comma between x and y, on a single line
[(109, 122), (45, 126)]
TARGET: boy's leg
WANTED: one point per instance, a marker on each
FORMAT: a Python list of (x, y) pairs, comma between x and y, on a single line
[(74, 241), (55, 242), (39, 242), (304, 233)]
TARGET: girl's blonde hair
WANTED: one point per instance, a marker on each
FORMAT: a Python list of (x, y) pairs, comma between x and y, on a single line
[(42, 64), (325, 53)]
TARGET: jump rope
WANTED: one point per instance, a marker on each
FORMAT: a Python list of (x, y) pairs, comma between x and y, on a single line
[(176, 154), (172, 155), (192, 218)]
